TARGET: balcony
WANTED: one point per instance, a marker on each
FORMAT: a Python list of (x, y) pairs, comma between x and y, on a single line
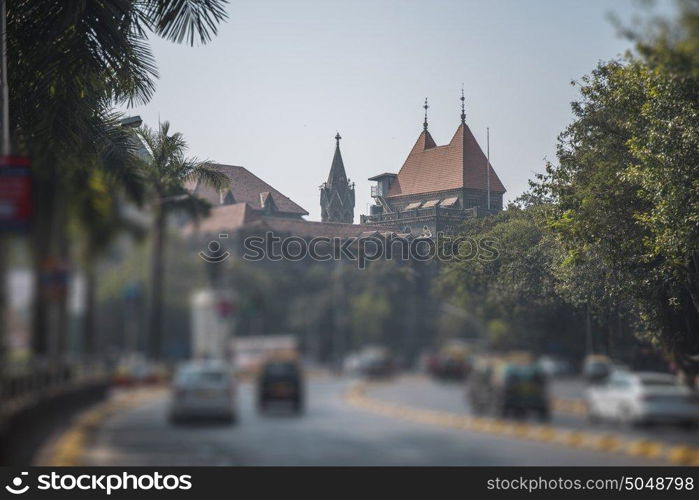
[(420, 212)]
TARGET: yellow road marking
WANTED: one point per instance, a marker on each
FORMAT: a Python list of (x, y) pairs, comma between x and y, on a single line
[(69, 448), (608, 443)]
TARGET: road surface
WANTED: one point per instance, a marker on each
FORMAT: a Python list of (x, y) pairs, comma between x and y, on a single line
[(331, 432), (426, 393)]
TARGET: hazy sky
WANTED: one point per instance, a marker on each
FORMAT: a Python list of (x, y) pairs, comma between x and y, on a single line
[(270, 92)]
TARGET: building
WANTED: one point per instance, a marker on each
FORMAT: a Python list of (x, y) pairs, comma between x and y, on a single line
[(337, 194), (249, 204), (438, 187), (245, 188)]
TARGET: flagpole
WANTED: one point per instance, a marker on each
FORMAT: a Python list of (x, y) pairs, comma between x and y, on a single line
[(5, 145), (487, 167)]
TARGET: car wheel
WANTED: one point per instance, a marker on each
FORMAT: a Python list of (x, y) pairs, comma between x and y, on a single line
[(592, 416), (689, 425), (626, 417), (175, 419)]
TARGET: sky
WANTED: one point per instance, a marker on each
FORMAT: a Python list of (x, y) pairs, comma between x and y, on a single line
[(283, 77)]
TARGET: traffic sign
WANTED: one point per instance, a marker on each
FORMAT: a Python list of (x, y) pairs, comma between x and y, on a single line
[(15, 194)]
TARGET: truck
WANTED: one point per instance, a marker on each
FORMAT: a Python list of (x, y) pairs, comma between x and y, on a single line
[(250, 351), (212, 324)]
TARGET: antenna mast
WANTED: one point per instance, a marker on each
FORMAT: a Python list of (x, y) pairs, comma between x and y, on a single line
[(487, 167)]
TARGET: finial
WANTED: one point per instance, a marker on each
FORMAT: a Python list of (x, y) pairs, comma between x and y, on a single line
[(337, 139), (426, 106), (463, 107)]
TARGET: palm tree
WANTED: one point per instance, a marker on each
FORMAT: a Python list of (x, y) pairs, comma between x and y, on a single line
[(69, 64), (100, 188), (166, 170)]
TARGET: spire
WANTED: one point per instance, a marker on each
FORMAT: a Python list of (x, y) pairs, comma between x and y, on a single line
[(337, 194), (463, 107), (337, 170), (426, 106)]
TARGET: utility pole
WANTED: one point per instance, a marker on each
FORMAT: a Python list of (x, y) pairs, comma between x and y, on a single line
[(588, 330), (487, 167), (339, 342), (5, 87), (5, 114)]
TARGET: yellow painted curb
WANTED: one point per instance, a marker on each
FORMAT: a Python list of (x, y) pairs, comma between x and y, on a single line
[(69, 448), (607, 443)]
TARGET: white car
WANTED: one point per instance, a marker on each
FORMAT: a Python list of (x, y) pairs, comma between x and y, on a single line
[(642, 397), (203, 389)]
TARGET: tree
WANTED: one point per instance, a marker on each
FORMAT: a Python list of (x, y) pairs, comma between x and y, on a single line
[(165, 171), (515, 296), (626, 188), (69, 63)]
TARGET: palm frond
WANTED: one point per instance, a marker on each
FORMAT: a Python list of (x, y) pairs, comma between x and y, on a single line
[(183, 20)]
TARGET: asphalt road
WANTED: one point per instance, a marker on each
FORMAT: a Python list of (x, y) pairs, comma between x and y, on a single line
[(449, 396), (331, 432)]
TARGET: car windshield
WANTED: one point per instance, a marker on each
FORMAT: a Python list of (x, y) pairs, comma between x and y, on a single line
[(280, 369), (201, 376), (523, 373), (658, 382)]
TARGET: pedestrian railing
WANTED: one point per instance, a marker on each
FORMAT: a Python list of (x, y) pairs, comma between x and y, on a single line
[(25, 384)]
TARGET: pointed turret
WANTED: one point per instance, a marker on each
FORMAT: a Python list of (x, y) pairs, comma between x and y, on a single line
[(337, 194), (337, 173)]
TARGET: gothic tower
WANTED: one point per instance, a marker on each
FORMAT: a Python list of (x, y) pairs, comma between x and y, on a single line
[(337, 194)]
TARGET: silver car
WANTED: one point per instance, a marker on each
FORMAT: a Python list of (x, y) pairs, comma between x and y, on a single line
[(203, 389), (643, 397)]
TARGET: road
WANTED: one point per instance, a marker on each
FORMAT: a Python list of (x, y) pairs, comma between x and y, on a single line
[(422, 392), (331, 432)]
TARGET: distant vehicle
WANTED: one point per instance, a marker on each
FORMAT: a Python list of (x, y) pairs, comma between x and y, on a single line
[(555, 367), (251, 351), (508, 388), (378, 368), (597, 368), (280, 380), (643, 397), (203, 389), (212, 314), (451, 362), (376, 362), (134, 370)]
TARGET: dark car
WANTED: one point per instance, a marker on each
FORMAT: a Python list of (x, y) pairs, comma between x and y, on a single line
[(451, 369), (280, 381), (507, 389)]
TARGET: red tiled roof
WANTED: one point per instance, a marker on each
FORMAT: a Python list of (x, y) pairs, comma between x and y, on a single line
[(246, 187), (230, 218), (223, 218), (459, 164)]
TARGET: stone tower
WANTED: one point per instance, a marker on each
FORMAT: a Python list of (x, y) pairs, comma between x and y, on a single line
[(337, 194)]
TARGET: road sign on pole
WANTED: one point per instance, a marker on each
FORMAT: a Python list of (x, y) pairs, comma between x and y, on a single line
[(15, 194)]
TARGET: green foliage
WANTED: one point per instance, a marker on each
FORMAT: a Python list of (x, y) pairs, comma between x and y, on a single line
[(626, 190), (515, 296)]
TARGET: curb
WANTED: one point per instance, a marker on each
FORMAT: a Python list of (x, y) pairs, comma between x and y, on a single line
[(69, 447), (592, 441)]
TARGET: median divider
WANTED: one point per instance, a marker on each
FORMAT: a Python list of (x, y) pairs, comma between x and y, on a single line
[(357, 396)]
